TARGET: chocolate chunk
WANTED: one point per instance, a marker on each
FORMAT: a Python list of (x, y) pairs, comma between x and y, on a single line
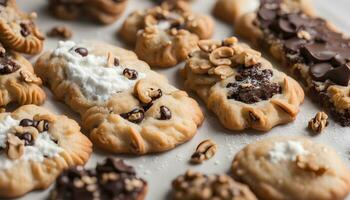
[(24, 29), (135, 116), (27, 122), (316, 53), (115, 165), (287, 28), (147, 106), (116, 62), (27, 138), (319, 71), (82, 51), (253, 85), (340, 75), (7, 66), (165, 113), (130, 73)]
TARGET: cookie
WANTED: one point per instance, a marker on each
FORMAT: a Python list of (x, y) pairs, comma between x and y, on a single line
[(165, 34), (241, 87), (19, 84), (102, 11), (112, 179), (228, 10), (35, 146), (197, 186), (18, 30), (126, 107), (301, 48), (292, 168)]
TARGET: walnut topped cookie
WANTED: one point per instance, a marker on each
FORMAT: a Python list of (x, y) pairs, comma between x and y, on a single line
[(197, 186), (17, 29), (309, 46), (112, 179), (126, 107), (19, 84), (292, 168), (35, 146), (165, 34), (102, 11), (240, 86)]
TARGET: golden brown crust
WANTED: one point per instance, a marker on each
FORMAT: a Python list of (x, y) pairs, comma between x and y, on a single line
[(26, 176), (18, 31), (165, 34), (210, 70)]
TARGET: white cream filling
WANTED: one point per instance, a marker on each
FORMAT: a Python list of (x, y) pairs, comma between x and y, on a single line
[(43, 146), (286, 151), (96, 81)]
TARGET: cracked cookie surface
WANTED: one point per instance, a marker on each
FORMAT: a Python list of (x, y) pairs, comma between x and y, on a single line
[(241, 87), (126, 107), (18, 82), (292, 168), (164, 35), (18, 30), (35, 146)]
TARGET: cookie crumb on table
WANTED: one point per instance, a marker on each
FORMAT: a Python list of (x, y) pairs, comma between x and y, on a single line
[(319, 122), (62, 32)]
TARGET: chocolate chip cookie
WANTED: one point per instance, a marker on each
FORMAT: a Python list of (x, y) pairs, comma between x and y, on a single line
[(197, 186), (112, 179), (102, 11), (241, 87), (35, 146), (18, 30), (165, 34), (126, 107), (19, 84), (292, 168), (312, 49)]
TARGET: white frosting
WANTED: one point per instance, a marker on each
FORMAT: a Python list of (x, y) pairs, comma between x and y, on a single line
[(286, 151), (43, 146), (96, 81)]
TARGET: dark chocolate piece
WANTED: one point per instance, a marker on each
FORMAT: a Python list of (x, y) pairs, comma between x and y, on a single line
[(135, 116)]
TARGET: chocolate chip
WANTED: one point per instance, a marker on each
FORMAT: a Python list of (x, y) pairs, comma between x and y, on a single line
[(7, 66), (135, 116), (27, 122), (27, 138), (116, 62), (165, 113), (24, 29), (115, 165), (340, 74), (316, 53), (82, 51), (147, 106), (130, 73)]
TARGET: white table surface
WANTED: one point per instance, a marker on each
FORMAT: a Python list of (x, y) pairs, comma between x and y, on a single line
[(160, 169)]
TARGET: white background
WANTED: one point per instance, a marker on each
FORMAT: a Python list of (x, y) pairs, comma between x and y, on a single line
[(160, 169)]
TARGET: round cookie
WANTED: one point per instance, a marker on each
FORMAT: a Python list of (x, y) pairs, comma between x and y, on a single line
[(165, 34), (112, 179), (18, 30), (280, 168), (35, 147), (197, 186)]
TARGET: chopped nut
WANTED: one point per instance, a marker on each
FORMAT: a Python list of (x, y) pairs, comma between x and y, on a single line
[(205, 150), (209, 45), (147, 91), (248, 57), (230, 41), (30, 77), (60, 32), (221, 55), (304, 35), (224, 71), (309, 163), (15, 147), (319, 122)]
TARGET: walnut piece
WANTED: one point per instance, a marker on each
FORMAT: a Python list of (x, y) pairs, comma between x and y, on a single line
[(29, 77), (15, 147), (209, 45), (224, 71), (319, 122), (204, 151), (221, 56)]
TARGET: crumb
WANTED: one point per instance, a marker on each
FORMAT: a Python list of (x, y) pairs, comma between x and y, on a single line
[(60, 32)]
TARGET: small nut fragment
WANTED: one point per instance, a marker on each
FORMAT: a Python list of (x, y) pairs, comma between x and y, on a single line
[(309, 163), (205, 150), (60, 32), (148, 91), (319, 122), (30, 77), (224, 71), (304, 35), (221, 55), (209, 45), (15, 147), (230, 41), (248, 57)]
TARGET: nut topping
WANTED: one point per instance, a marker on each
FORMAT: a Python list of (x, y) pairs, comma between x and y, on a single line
[(205, 150), (221, 55), (224, 71), (60, 32), (15, 147), (319, 122), (29, 77), (209, 45), (147, 91), (130, 73)]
